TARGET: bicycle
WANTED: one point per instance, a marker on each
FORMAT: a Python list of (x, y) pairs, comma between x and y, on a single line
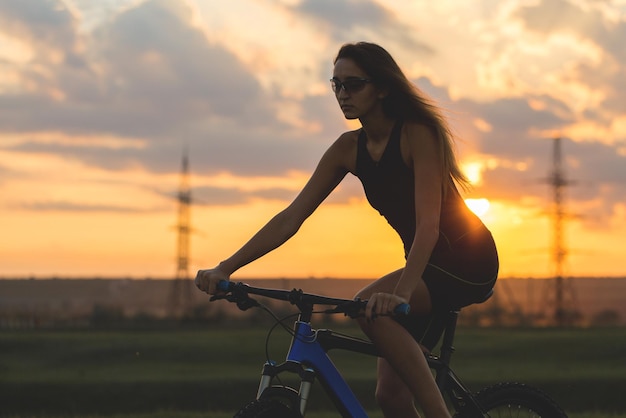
[(307, 358)]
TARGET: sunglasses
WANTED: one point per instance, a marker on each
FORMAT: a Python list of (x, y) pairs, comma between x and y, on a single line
[(351, 85)]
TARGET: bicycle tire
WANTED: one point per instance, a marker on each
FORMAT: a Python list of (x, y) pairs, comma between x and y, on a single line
[(516, 399), (275, 402)]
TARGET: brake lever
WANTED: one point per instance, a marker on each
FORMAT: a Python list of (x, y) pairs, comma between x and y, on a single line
[(218, 297), (245, 304), (243, 301), (350, 309)]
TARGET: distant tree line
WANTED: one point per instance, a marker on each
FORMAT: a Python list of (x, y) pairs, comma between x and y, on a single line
[(104, 316)]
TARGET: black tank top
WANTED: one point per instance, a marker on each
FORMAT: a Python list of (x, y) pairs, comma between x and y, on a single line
[(390, 188)]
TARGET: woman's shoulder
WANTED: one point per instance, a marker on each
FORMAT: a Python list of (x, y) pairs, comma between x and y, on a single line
[(347, 140), (343, 150), (416, 139), (350, 136), (415, 128), (416, 134)]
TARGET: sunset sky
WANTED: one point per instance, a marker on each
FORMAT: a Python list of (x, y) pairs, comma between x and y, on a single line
[(100, 99)]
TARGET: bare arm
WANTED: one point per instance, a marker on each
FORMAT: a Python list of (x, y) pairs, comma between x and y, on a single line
[(331, 169)]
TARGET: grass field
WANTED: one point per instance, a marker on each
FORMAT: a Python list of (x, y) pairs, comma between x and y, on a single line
[(211, 372)]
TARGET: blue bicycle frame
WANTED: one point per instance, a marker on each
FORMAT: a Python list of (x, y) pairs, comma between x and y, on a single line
[(308, 358), (307, 354), (307, 351)]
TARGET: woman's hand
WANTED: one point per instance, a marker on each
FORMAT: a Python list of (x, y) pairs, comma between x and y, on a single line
[(382, 304), (207, 280)]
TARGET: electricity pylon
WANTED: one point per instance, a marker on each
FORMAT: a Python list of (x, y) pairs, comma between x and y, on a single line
[(562, 292), (180, 297)]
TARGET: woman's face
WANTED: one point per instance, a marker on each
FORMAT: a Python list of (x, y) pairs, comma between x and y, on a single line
[(356, 94)]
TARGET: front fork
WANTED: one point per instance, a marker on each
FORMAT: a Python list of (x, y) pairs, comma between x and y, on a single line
[(307, 376)]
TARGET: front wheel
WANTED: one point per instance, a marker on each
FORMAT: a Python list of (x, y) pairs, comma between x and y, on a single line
[(275, 402), (517, 400)]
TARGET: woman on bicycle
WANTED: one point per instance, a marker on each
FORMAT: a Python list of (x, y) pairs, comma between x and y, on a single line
[(403, 155)]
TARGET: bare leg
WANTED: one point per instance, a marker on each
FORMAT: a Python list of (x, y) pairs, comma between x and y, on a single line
[(402, 353), (393, 396)]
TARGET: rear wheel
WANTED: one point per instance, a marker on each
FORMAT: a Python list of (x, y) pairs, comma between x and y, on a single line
[(275, 402), (517, 400)]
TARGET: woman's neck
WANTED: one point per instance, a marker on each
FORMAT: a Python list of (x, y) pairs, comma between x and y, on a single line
[(377, 129)]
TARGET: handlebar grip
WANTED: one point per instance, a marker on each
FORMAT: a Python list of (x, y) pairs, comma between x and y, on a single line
[(223, 285), (402, 309)]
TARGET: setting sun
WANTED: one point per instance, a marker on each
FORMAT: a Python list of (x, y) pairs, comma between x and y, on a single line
[(478, 206)]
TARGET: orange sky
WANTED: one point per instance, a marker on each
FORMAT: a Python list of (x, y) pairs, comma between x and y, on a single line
[(96, 115)]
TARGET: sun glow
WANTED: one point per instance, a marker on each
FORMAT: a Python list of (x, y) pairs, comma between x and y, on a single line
[(473, 171), (478, 206)]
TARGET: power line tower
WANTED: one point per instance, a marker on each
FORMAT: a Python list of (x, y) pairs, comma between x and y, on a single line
[(562, 291), (180, 297)]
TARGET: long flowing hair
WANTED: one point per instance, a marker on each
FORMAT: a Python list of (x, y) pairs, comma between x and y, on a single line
[(405, 101)]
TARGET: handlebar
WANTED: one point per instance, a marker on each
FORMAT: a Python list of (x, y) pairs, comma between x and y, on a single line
[(352, 307)]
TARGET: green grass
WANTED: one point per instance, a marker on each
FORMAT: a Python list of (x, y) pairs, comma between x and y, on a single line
[(187, 374), (318, 414)]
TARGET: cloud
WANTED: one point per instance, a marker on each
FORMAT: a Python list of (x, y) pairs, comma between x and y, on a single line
[(175, 73), (587, 24), (593, 171), (522, 157), (352, 19), (222, 196), (67, 206), (586, 21), (46, 23), (548, 16), (139, 80), (166, 86), (150, 74)]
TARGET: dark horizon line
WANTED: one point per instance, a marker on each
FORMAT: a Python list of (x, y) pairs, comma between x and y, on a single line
[(242, 278)]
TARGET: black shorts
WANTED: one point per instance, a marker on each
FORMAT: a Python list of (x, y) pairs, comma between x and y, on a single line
[(458, 274), (425, 329)]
